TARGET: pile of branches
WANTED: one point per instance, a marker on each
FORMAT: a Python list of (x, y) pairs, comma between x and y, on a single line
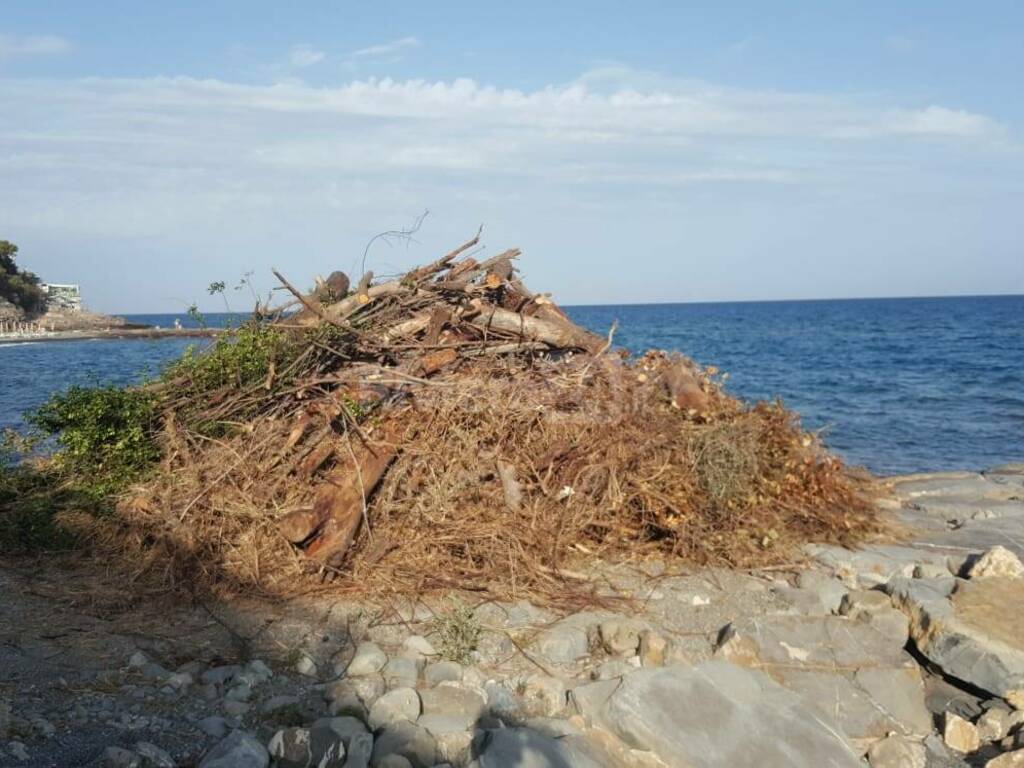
[(451, 429)]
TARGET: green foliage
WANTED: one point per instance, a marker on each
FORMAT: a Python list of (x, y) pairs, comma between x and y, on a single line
[(241, 359), (105, 434), (19, 286), (458, 634), (29, 502)]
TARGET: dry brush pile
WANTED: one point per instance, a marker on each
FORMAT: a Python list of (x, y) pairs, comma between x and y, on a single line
[(451, 429)]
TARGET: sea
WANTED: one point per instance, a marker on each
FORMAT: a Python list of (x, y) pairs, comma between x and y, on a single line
[(894, 385)]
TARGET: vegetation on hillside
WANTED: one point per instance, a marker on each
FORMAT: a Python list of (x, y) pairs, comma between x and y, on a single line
[(19, 286)]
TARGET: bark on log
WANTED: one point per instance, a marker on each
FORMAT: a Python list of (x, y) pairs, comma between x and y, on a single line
[(339, 503), (556, 334)]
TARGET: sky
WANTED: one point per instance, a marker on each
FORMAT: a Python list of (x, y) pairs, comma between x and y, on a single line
[(636, 152)]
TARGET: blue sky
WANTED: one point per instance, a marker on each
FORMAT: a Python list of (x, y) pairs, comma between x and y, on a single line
[(636, 152)]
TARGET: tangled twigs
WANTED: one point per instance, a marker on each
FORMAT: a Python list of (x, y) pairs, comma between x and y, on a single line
[(452, 429)]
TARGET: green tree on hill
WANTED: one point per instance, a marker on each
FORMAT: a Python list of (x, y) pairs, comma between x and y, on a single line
[(19, 286)]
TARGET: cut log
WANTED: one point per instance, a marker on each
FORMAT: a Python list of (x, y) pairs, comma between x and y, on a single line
[(340, 502), (556, 334)]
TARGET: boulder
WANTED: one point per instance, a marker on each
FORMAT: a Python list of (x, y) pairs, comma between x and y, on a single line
[(998, 562), (290, 748), (401, 704), (407, 740), (368, 660), (239, 750), (862, 678), (717, 715), (527, 748), (969, 628)]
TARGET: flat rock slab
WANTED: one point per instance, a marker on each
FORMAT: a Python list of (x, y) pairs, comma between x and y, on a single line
[(528, 748), (719, 715), (874, 564), (861, 678), (974, 630)]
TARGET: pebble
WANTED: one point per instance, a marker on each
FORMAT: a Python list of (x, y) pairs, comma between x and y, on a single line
[(18, 750), (653, 647), (138, 660), (369, 660), (401, 704), (442, 671), (213, 726), (153, 756), (220, 675), (236, 708), (959, 734), (239, 750), (993, 725), (119, 757), (619, 636), (306, 666), (544, 695), (401, 672)]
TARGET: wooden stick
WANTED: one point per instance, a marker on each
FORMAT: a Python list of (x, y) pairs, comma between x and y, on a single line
[(318, 311)]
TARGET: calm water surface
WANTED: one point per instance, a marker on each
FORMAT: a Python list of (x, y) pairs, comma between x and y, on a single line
[(899, 385)]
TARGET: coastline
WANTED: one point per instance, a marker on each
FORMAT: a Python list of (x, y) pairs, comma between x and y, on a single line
[(123, 332)]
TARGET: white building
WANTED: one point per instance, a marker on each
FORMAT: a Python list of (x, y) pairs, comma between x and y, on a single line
[(61, 297)]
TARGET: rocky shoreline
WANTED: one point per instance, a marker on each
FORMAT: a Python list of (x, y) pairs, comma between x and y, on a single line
[(904, 653)]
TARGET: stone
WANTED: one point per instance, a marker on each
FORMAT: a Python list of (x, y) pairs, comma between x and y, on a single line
[(454, 746), (828, 589), (418, 647), (612, 669), (897, 752), (562, 644), (500, 700), (239, 750), (366, 688), (360, 749), (400, 704), (993, 725), (871, 565), (544, 695), (959, 734), (860, 677), (281, 701), (153, 671), (118, 757), (213, 726), (306, 666), (441, 672), (967, 629), (236, 708), (179, 680), (393, 761), (401, 672), (368, 660), (653, 648), (1013, 759), (239, 693), (153, 756), (454, 700), (998, 562), (410, 741), (258, 668), (348, 705), (719, 715), (220, 675), (290, 748), (526, 748), (860, 601), (136, 661), (620, 637)]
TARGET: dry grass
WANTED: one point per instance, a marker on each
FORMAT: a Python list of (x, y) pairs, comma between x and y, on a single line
[(608, 468)]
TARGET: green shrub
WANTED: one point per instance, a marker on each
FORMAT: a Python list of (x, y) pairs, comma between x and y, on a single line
[(105, 435), (240, 359)]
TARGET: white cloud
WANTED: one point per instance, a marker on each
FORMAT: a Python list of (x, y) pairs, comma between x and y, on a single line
[(304, 55), (386, 49), (33, 45), (202, 165)]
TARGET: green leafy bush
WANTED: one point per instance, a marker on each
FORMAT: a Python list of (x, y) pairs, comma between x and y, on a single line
[(240, 359), (105, 434)]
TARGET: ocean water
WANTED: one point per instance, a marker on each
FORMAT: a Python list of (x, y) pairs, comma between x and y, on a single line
[(896, 385)]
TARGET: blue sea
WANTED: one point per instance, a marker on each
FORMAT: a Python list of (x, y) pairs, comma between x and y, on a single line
[(897, 385)]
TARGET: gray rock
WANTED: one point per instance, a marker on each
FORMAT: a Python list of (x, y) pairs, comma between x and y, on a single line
[(401, 704), (454, 700), (213, 726), (401, 672), (239, 750), (861, 678), (306, 666), (994, 724), (180, 680), (544, 695), (152, 756), (829, 590), (153, 671), (118, 757), (369, 660), (236, 708), (329, 729), (872, 565), (393, 761), (441, 672), (366, 688), (562, 644), (653, 648), (220, 675), (968, 629), (526, 748), (274, 703), (721, 715), (500, 700), (897, 752), (620, 637), (290, 748), (418, 647), (259, 669), (360, 749), (239, 693), (136, 661), (410, 741)]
